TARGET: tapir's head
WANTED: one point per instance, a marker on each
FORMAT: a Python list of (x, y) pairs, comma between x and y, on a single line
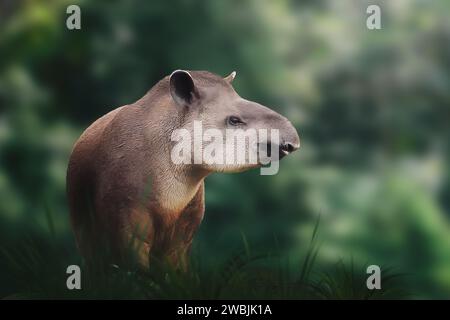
[(224, 127)]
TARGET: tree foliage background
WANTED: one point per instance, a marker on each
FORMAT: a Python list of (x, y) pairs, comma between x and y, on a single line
[(372, 109)]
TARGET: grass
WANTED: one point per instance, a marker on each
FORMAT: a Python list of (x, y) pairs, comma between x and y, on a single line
[(38, 271)]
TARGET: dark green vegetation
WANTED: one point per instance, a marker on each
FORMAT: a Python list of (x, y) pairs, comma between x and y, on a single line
[(371, 107), (37, 271)]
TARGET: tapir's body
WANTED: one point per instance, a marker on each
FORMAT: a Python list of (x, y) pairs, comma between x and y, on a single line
[(125, 192)]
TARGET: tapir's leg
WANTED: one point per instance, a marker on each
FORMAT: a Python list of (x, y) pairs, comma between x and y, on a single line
[(183, 231), (140, 251), (137, 237), (163, 241), (179, 257)]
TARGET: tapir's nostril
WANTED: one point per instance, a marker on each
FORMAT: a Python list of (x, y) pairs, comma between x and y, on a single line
[(288, 147)]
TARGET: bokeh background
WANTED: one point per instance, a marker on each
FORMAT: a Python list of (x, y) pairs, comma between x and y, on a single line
[(372, 109)]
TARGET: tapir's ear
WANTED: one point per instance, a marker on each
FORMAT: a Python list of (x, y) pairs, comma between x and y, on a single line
[(230, 77), (182, 88)]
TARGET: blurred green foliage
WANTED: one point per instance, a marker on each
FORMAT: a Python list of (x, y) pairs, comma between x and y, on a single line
[(372, 109)]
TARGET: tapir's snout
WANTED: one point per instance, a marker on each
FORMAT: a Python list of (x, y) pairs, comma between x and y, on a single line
[(289, 140)]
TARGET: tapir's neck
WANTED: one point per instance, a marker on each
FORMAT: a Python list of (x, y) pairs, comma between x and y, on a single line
[(176, 188), (173, 186)]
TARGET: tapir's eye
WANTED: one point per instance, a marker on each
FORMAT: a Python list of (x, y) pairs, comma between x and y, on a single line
[(235, 121)]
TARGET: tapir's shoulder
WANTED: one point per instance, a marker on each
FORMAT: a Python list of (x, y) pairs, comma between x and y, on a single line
[(90, 140), (96, 129)]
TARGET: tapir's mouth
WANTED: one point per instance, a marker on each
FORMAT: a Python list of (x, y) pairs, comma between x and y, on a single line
[(283, 150)]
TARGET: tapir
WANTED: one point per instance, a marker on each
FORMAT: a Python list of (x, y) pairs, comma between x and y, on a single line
[(124, 191)]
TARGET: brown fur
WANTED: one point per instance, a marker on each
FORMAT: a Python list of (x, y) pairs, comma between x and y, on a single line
[(124, 190)]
